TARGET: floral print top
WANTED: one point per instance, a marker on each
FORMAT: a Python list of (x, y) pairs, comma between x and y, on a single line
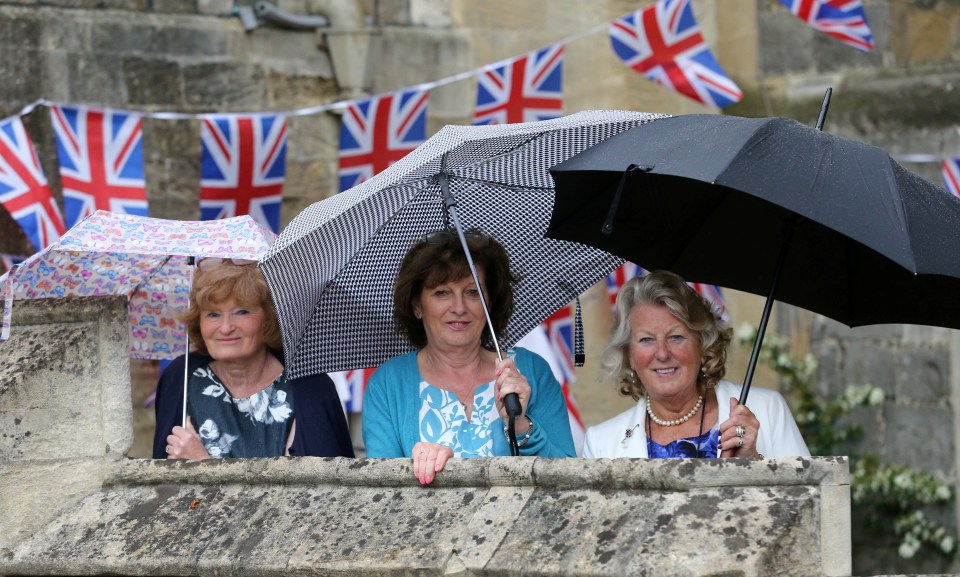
[(703, 447), (254, 426), (443, 420)]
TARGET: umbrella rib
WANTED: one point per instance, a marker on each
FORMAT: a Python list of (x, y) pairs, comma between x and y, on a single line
[(148, 277)]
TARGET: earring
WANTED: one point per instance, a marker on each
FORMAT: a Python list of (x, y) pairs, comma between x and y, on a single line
[(417, 314), (631, 376)]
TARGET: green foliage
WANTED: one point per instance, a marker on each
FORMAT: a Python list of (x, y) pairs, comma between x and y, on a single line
[(890, 496)]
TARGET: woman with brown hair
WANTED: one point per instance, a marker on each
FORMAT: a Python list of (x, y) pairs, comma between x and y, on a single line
[(445, 399)]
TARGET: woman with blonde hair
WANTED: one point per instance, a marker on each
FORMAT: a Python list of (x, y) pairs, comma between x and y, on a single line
[(668, 351)]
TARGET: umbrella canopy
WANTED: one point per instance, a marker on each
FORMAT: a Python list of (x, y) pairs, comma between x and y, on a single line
[(332, 269), (731, 201), (145, 259)]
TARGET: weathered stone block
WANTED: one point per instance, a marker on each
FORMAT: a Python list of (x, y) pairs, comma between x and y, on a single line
[(924, 377), (152, 82), (870, 362), (20, 30), (215, 7), (103, 80), (918, 437), (129, 5), (786, 43), (193, 40), (224, 87), (175, 6)]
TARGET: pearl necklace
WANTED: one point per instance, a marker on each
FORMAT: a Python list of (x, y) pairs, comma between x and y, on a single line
[(679, 421)]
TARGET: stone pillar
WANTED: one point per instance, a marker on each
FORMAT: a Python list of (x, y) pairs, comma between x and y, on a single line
[(64, 406)]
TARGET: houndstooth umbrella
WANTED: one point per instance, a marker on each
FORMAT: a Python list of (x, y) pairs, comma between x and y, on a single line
[(331, 271)]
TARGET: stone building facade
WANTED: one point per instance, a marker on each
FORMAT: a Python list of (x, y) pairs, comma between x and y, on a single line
[(195, 56)]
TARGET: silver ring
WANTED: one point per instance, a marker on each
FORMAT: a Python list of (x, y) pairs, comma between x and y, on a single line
[(740, 431), (741, 442), (169, 449)]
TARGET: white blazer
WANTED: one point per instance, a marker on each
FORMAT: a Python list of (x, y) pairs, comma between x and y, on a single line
[(779, 435)]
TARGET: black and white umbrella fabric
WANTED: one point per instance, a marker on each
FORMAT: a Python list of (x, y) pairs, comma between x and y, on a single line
[(331, 271)]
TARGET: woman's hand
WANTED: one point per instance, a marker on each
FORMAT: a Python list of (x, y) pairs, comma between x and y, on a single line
[(184, 443), (510, 380), (732, 442), (428, 460)]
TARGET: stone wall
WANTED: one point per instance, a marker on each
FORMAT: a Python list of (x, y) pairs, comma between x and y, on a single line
[(917, 368), (499, 516)]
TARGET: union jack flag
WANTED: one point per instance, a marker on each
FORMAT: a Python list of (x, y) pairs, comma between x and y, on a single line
[(8, 260), (24, 191), (628, 270), (101, 161), (379, 131), (619, 277), (524, 89), (663, 42), (351, 386), (951, 175), (242, 166), (553, 340), (845, 20)]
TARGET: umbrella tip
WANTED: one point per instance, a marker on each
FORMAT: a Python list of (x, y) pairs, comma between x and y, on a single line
[(823, 108)]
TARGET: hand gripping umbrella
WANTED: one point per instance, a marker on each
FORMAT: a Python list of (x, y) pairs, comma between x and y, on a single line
[(772, 207), (332, 270)]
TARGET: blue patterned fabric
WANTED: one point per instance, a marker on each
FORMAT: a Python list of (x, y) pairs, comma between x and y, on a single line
[(687, 447), (254, 426), (443, 420)]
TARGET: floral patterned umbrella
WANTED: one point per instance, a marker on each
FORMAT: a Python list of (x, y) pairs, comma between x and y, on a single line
[(144, 259)]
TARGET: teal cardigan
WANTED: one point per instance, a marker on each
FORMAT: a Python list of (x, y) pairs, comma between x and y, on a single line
[(391, 410)]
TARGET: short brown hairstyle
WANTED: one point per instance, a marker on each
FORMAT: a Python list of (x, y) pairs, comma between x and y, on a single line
[(243, 283), (440, 258), (669, 290)]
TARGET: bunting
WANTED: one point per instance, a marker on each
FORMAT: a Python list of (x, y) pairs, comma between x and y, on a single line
[(101, 158), (845, 20), (379, 131), (101, 161), (243, 166), (8, 260), (951, 175), (24, 191), (663, 42), (351, 385), (525, 89)]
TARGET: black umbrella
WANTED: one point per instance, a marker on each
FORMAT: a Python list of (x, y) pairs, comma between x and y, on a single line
[(745, 202)]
